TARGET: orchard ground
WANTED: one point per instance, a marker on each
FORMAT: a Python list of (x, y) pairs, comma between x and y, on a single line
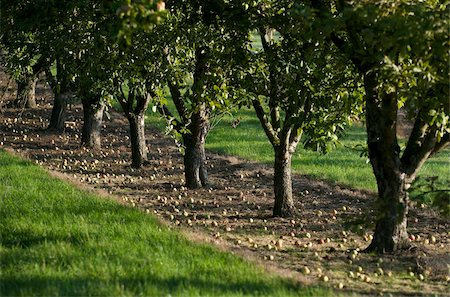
[(319, 247)]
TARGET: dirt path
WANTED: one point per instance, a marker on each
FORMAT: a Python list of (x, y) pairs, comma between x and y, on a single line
[(235, 212)]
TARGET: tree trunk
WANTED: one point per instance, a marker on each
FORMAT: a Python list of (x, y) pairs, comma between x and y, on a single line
[(92, 124), (194, 161), (194, 142), (26, 92), (137, 137), (58, 112), (284, 203), (384, 153), (390, 231)]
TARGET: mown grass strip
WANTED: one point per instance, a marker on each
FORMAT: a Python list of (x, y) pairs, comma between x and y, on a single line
[(58, 240)]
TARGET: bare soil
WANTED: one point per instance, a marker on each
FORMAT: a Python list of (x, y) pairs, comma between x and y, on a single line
[(321, 246)]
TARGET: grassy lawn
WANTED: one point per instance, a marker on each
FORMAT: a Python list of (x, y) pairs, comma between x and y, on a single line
[(342, 166), (58, 240)]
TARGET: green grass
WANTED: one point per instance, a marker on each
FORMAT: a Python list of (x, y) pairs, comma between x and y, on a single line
[(342, 166), (59, 241)]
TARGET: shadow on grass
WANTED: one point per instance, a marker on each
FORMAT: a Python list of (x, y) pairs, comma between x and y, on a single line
[(151, 284), (27, 239)]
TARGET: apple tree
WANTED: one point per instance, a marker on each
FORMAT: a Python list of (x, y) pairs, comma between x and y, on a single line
[(401, 50), (199, 63), (301, 88)]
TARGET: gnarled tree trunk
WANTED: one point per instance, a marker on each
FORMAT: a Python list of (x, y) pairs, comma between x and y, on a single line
[(194, 162), (284, 141), (384, 153), (59, 87), (58, 115), (136, 121), (92, 123), (193, 127), (137, 137), (390, 232), (284, 202), (26, 92), (194, 156)]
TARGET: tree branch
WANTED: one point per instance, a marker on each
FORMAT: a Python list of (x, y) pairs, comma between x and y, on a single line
[(178, 100), (343, 46), (268, 129), (165, 112), (297, 133), (266, 36), (51, 79), (295, 137), (420, 146), (174, 89), (445, 141), (142, 103)]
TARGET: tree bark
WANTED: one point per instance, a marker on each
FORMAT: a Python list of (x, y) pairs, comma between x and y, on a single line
[(92, 124), (384, 153), (58, 84), (284, 202), (390, 230), (194, 156), (58, 115), (194, 162), (26, 92), (136, 121), (137, 137)]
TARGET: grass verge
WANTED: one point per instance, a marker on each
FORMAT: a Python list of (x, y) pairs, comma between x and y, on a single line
[(58, 240)]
